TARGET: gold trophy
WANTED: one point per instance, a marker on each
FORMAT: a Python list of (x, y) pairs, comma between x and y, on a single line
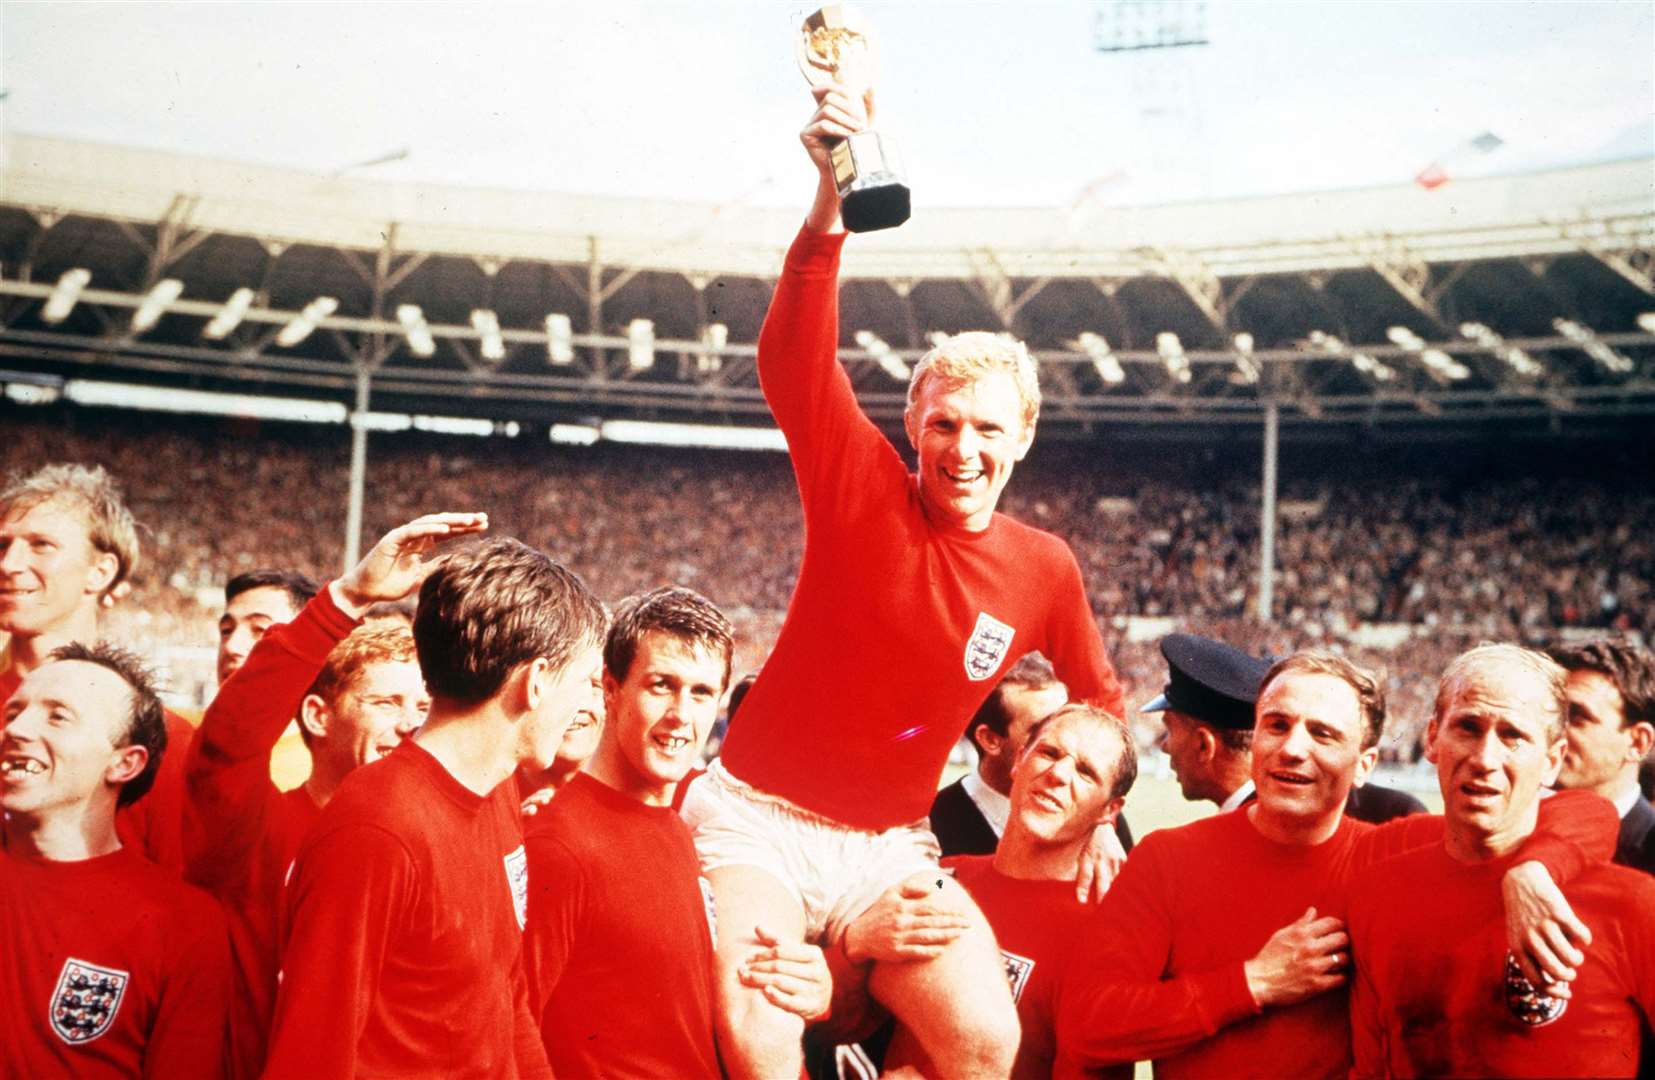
[(834, 46)]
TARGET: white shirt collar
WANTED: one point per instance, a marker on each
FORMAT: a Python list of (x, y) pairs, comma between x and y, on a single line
[(1237, 797), (1628, 798), (996, 807)]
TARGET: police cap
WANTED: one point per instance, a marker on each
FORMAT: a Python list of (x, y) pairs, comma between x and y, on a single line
[(1210, 681)]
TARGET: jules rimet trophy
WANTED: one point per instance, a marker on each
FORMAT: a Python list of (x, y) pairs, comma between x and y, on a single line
[(835, 46)]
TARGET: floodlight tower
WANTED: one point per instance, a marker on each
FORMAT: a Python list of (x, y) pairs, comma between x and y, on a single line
[(1153, 40)]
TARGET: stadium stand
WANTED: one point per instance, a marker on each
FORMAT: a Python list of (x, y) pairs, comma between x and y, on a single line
[(1494, 544)]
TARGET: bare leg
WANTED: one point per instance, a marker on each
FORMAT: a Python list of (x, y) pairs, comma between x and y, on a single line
[(755, 1039), (957, 1006)]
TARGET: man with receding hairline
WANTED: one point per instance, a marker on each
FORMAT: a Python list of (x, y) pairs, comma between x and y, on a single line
[(1220, 949), (1437, 991), (109, 965)]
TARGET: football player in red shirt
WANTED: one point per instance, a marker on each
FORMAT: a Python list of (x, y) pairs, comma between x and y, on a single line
[(68, 549), (109, 965)]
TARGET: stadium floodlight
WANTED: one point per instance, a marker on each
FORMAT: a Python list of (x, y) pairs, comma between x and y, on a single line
[(1646, 322), (714, 336), (62, 299), (560, 344), (640, 344), (454, 425), (1103, 358), (490, 344), (574, 434), (381, 421), (657, 433), (1173, 355), (1438, 364), (1518, 360), (420, 341), (229, 316), (306, 321), (1367, 365), (1327, 343), (1592, 346), (178, 400), (160, 297), (1247, 369), (885, 356), (33, 393)]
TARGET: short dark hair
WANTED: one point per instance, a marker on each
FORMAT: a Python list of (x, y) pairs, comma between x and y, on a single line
[(1031, 672), (1370, 691), (493, 606), (146, 720), (670, 609), (1126, 771), (1630, 668), (300, 588)]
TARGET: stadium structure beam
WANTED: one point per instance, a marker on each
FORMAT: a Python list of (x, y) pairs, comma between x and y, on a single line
[(1199, 282), (1267, 514), (359, 469), (1628, 251), (996, 287), (1410, 276)]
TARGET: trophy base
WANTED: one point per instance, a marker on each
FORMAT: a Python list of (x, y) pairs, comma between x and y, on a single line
[(872, 193), (879, 203)]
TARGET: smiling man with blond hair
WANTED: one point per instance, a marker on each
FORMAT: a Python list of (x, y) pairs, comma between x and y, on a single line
[(914, 598)]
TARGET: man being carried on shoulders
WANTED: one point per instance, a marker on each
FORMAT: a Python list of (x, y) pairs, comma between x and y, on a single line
[(913, 597)]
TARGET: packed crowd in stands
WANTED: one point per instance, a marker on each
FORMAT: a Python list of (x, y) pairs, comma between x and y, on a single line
[(1513, 558)]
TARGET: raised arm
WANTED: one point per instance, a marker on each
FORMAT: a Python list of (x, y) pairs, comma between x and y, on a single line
[(805, 385), (227, 773)]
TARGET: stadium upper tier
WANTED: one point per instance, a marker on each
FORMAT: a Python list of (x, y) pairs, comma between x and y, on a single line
[(1542, 213), (1506, 299)]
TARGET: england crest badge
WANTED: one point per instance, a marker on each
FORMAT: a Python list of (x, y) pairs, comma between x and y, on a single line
[(86, 1000), (987, 648), (1018, 970), (517, 877)]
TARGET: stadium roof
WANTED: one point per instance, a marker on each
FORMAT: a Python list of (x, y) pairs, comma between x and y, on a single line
[(1516, 297)]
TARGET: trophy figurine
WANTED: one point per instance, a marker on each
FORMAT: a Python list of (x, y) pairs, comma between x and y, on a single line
[(834, 46)]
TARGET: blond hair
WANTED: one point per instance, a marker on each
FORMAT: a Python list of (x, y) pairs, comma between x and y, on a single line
[(960, 359), (109, 524)]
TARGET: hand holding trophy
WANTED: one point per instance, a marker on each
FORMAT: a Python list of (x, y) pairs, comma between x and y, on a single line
[(834, 47)]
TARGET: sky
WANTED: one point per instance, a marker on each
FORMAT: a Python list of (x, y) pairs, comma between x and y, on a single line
[(992, 104)]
